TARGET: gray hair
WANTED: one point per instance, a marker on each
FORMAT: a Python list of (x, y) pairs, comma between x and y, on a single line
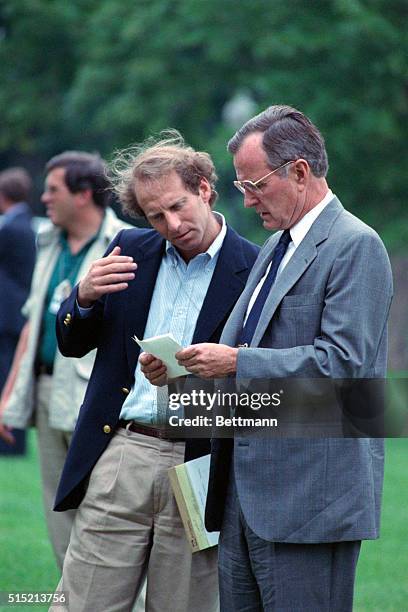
[(155, 158), (287, 135)]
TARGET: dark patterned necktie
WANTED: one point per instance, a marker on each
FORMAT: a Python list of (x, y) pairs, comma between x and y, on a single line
[(248, 330)]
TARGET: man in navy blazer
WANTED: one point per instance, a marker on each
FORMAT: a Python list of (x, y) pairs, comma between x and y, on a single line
[(17, 257), (184, 277), (293, 511)]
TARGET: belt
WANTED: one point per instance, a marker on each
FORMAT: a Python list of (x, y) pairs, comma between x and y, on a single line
[(145, 430), (43, 368)]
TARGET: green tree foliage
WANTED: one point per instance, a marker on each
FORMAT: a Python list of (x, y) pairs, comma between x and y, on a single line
[(102, 74), (38, 61)]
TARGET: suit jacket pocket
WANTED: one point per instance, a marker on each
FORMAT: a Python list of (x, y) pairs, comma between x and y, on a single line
[(301, 300), (300, 315)]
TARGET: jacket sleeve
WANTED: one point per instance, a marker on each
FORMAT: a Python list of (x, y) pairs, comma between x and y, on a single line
[(78, 335)]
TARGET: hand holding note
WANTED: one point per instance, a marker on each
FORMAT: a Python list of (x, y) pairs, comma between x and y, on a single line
[(163, 348), (154, 369)]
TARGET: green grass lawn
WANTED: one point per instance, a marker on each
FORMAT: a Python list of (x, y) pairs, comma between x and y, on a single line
[(27, 562), (382, 578)]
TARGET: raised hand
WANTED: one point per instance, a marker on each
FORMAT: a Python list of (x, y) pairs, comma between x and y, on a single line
[(107, 275)]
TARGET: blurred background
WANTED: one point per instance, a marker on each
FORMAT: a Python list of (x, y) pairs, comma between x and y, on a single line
[(97, 75), (101, 74)]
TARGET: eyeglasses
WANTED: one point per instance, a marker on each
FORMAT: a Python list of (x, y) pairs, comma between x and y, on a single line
[(253, 186)]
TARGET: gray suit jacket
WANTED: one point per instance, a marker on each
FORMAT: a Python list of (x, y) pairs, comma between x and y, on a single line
[(326, 317)]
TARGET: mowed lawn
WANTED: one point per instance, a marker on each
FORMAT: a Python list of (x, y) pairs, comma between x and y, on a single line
[(27, 563)]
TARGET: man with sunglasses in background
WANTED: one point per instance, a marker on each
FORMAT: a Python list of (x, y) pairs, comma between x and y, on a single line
[(293, 512)]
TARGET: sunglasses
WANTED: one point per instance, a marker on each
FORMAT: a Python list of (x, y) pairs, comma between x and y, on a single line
[(253, 186)]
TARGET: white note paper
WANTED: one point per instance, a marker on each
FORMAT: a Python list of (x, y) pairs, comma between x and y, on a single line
[(164, 348)]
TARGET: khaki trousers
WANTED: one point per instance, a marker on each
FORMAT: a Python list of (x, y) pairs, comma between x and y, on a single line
[(127, 526), (52, 449)]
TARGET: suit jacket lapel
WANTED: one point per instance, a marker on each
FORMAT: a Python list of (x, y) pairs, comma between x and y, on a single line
[(235, 322), (139, 295), (298, 264), (226, 285), (300, 261)]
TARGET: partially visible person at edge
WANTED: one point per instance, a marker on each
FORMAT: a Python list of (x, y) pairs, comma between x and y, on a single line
[(293, 512), (43, 388), (17, 257)]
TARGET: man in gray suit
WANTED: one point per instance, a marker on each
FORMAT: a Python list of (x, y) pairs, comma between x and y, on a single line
[(293, 512)]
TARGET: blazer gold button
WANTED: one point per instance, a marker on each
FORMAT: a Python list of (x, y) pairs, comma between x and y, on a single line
[(107, 429), (125, 391)]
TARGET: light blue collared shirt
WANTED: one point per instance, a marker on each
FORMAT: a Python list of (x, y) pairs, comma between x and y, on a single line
[(177, 300)]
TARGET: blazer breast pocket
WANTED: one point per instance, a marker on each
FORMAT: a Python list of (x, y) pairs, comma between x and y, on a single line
[(304, 312), (302, 300)]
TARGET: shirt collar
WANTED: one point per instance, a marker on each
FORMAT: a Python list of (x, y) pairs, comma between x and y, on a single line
[(214, 247), (300, 229)]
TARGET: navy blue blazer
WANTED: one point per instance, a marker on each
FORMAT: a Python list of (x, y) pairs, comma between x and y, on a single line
[(17, 258), (115, 319)]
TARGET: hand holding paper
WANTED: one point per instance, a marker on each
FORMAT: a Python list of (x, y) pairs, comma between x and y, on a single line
[(164, 348), (153, 369)]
